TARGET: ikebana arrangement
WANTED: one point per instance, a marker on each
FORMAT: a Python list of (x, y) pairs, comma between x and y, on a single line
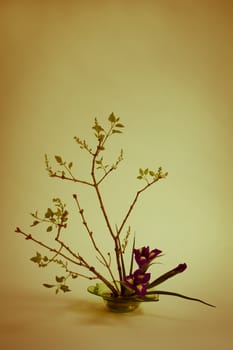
[(133, 283)]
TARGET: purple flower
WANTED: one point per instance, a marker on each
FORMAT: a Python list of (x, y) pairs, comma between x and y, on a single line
[(144, 256), (138, 281)]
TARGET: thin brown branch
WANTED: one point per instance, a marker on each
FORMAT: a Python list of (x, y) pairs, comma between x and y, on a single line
[(133, 204), (95, 184), (102, 278), (90, 233), (105, 175), (91, 278), (73, 179), (117, 248), (65, 266), (74, 273)]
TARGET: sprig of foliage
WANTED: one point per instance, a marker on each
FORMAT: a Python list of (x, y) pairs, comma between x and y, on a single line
[(119, 159), (55, 218), (43, 261), (65, 166), (106, 167), (101, 165), (151, 175), (48, 166), (125, 240), (100, 132), (60, 285), (61, 162), (83, 145), (40, 260)]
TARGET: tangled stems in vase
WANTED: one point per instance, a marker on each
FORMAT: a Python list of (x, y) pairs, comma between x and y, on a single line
[(131, 283)]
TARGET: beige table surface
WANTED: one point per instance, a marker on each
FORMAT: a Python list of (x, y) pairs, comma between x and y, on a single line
[(36, 321)]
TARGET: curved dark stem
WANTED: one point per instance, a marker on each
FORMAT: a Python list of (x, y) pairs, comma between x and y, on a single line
[(180, 296)]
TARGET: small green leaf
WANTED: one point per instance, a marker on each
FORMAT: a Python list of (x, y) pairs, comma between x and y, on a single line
[(141, 172), (65, 288), (59, 159), (119, 125), (139, 177), (49, 213), (97, 127), (112, 118), (70, 165), (48, 285), (116, 131), (146, 171), (35, 222), (49, 228), (152, 173), (60, 279), (99, 161), (37, 258), (45, 258), (59, 262)]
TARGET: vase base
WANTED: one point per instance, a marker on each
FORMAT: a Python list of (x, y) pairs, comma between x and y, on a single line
[(121, 306)]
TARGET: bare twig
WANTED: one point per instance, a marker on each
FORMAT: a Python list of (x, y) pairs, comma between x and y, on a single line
[(133, 204), (105, 215), (90, 233), (73, 179)]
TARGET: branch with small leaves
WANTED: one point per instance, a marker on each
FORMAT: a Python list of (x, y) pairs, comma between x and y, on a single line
[(151, 176), (57, 219), (60, 285), (63, 174), (76, 259), (143, 174)]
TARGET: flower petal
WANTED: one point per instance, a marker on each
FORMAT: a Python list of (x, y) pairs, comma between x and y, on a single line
[(129, 280), (140, 289), (141, 277), (154, 253)]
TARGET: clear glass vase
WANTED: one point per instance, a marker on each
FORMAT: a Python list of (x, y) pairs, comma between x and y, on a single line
[(119, 304)]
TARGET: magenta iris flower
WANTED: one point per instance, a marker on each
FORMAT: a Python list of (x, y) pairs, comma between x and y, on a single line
[(144, 256), (138, 281)]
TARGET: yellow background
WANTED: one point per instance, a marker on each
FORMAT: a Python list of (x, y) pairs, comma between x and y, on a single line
[(165, 68)]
